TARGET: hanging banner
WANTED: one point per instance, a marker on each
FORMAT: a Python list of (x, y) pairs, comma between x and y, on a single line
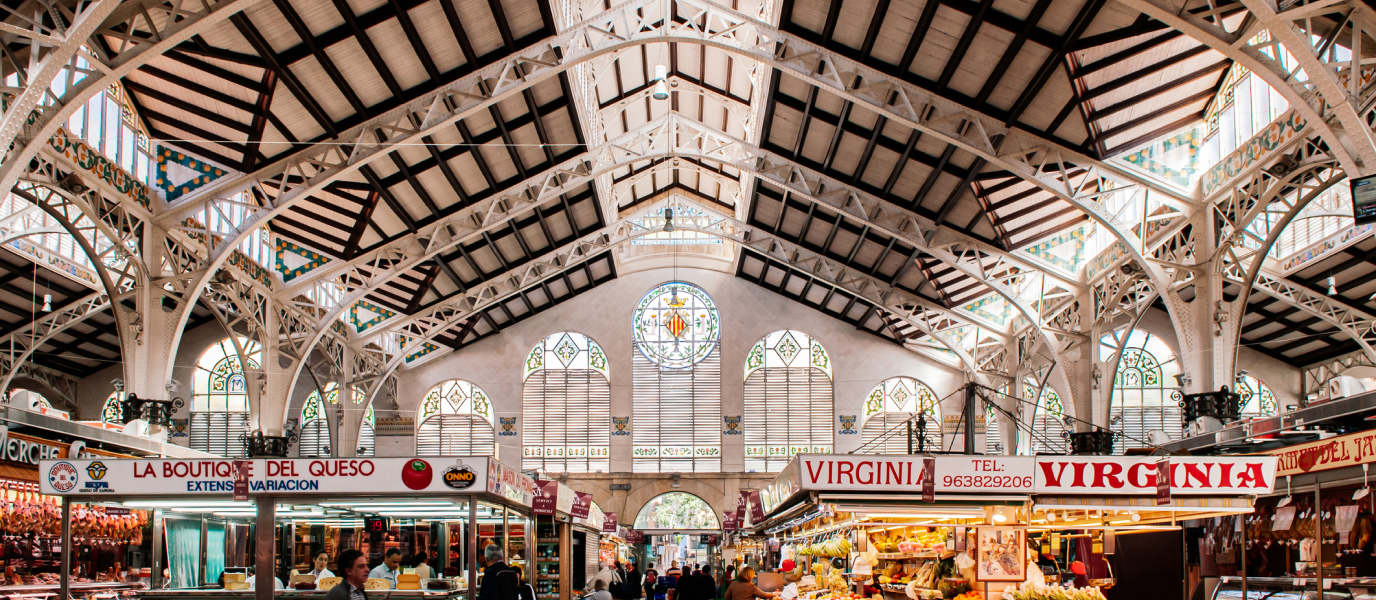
[(609, 524), (581, 504), (728, 521), (1163, 486), (929, 480), (742, 508), (240, 471), (546, 498), (756, 508)]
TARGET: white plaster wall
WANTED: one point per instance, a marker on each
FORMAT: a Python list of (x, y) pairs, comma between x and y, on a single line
[(860, 359)]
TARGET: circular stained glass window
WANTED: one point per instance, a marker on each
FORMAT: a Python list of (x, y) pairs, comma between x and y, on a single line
[(676, 325)]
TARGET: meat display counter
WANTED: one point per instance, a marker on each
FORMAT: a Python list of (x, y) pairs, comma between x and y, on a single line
[(1295, 588)]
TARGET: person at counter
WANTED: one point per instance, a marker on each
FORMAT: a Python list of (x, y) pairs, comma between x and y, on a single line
[(423, 569), (389, 569), (744, 588), (321, 560), (253, 578), (355, 567)]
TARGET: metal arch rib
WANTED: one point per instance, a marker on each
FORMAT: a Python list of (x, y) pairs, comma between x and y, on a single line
[(1355, 323), (1321, 75), (1234, 46), (21, 343), (1031, 158), (184, 22), (445, 317)]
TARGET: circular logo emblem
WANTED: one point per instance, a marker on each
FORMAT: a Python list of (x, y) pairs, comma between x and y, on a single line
[(62, 477), (460, 477), (417, 474)]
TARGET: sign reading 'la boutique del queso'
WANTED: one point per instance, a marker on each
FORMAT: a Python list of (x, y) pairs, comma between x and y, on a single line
[(377, 476), (1086, 475)]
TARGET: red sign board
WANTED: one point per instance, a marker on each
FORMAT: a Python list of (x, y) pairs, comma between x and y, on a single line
[(239, 473), (756, 508), (728, 520), (546, 497), (609, 525), (929, 480), (1163, 481), (581, 504)]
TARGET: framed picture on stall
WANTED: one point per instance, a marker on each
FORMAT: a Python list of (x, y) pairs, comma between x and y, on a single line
[(1002, 554)]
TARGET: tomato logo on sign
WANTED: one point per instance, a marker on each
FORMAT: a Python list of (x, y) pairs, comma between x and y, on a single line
[(62, 477)]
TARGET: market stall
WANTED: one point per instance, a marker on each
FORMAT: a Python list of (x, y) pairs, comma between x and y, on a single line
[(968, 527), (1314, 531), (239, 528)]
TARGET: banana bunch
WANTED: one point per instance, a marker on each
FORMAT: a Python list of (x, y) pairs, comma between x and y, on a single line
[(1032, 591)]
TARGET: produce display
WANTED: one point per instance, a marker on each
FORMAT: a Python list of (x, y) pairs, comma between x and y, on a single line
[(839, 547), (1036, 591)]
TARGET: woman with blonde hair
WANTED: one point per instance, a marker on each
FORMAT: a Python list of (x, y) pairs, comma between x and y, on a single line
[(744, 588)]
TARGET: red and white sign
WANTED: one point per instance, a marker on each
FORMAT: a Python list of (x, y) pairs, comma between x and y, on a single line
[(1088, 475), (289, 476), (953, 474), (1136, 475), (609, 523), (239, 473), (582, 502), (1163, 482)]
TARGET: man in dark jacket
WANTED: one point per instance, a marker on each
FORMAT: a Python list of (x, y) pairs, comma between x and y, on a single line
[(706, 586), (632, 582), (354, 565), (686, 588), (500, 581)]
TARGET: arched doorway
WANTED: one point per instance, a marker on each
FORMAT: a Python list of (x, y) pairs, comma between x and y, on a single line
[(677, 517)]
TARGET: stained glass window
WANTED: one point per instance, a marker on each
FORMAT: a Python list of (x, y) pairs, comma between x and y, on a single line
[(455, 420), (566, 406), (676, 325), (888, 409), (566, 350), (315, 422), (676, 414), (1257, 398), (787, 401), (1046, 435), (219, 400), (1144, 390), (113, 411)]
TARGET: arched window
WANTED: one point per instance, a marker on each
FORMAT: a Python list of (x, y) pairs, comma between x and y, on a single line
[(1048, 423), (676, 410), (677, 511), (1257, 398), (315, 423), (455, 420), (113, 412), (788, 400), (566, 406), (367, 434), (219, 400), (888, 408), (1144, 394)]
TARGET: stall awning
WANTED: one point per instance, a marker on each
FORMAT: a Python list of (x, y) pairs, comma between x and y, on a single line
[(18, 473)]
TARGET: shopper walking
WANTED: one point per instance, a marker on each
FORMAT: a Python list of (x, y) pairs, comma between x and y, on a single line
[(651, 578), (726, 581), (632, 583), (706, 587)]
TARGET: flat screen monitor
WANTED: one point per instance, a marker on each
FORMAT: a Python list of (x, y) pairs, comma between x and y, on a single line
[(1364, 199)]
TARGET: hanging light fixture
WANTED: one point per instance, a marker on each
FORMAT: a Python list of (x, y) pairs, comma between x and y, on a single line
[(47, 303), (661, 86), (1332, 286), (668, 220)]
